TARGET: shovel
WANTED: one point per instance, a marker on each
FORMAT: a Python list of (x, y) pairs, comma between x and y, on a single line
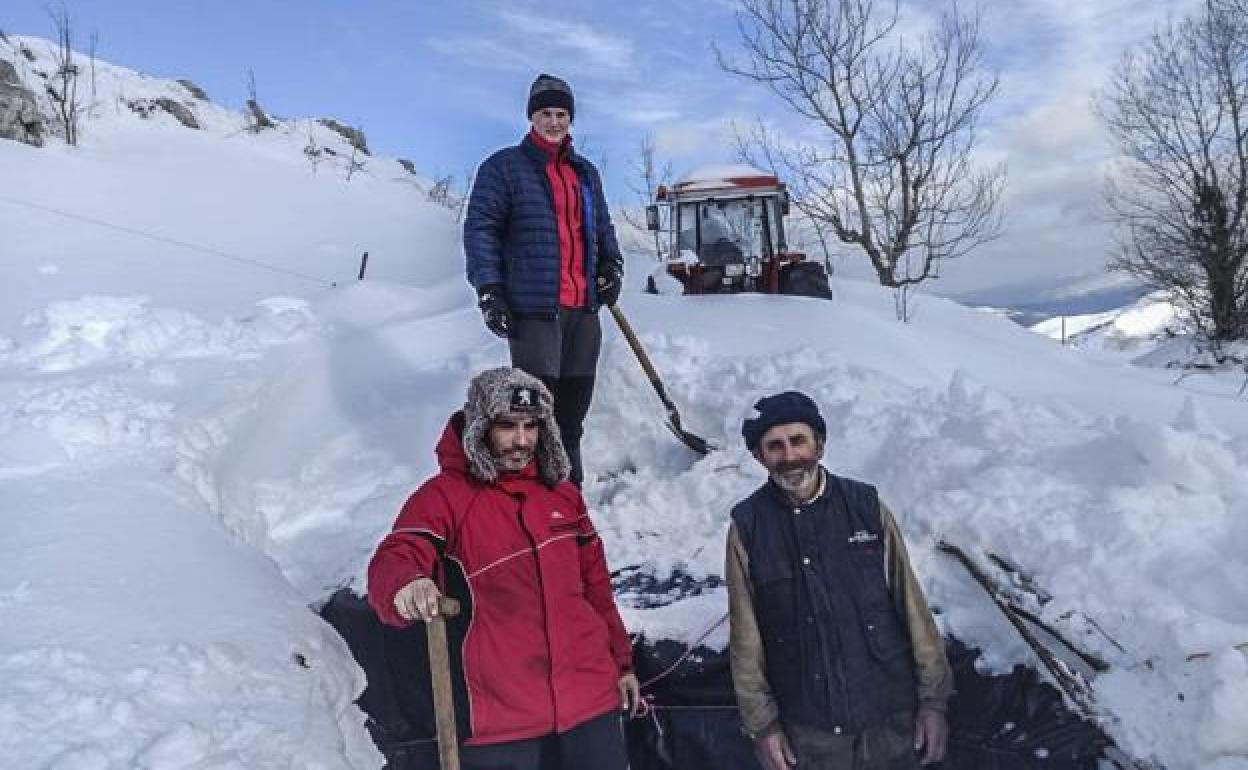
[(691, 440), (440, 675)]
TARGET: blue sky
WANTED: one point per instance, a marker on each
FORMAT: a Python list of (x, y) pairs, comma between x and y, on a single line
[(436, 81), (443, 83)]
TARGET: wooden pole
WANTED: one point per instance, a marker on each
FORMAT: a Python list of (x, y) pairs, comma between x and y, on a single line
[(440, 675)]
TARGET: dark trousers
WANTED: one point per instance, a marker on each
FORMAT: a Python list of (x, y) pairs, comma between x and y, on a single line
[(596, 744), (563, 353), (889, 746)]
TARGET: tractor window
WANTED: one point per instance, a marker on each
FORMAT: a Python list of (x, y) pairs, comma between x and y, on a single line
[(730, 231), (687, 236), (721, 232)]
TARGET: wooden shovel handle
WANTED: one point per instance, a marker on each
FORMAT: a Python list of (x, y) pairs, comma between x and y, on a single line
[(440, 675), (652, 374)]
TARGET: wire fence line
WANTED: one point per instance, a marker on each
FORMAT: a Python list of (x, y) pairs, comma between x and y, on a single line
[(137, 233)]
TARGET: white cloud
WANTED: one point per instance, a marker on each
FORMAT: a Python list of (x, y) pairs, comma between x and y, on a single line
[(485, 52), (533, 41), (638, 107), (690, 140), (591, 49)]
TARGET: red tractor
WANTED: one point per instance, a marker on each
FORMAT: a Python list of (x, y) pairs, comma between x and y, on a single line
[(725, 231)]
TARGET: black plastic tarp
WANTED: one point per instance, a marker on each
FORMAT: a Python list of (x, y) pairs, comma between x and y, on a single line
[(1010, 722)]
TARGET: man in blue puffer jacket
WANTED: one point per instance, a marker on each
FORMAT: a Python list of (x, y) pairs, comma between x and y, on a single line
[(542, 256)]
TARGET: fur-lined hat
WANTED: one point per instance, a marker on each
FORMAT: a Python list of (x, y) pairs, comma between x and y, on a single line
[(497, 392)]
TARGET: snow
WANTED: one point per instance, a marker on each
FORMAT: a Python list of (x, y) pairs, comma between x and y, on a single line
[(196, 450), (1131, 329), (715, 176)]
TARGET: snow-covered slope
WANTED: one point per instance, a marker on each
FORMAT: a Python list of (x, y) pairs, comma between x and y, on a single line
[(195, 449), (207, 220), (1153, 332)]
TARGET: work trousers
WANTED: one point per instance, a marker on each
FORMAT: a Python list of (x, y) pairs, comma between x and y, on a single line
[(594, 745), (563, 353), (888, 746)]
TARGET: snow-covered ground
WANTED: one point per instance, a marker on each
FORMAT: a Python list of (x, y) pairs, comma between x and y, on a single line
[(195, 449)]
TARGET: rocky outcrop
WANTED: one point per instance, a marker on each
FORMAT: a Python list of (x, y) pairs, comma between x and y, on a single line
[(195, 90), (19, 112), (180, 112), (408, 166), (354, 136)]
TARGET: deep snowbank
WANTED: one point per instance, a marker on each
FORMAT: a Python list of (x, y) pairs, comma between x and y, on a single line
[(137, 632), (1111, 487)]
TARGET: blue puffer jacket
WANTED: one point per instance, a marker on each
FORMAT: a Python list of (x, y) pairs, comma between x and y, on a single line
[(511, 236)]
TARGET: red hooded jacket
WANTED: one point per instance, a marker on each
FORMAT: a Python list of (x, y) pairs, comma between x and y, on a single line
[(544, 645)]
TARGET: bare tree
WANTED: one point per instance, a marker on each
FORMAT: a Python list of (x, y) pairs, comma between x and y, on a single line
[(62, 87), (757, 148), (1178, 107), (447, 193), (442, 192), (355, 163), (92, 49), (312, 150), (470, 179), (893, 174), (644, 182), (259, 119)]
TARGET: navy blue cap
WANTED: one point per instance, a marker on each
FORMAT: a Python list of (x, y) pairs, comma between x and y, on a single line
[(781, 409), (550, 91)]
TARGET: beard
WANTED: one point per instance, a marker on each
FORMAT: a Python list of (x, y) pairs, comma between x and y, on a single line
[(513, 460), (797, 477)]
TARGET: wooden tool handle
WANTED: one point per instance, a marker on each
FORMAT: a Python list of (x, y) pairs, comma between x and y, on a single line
[(448, 607), (440, 677), (651, 373)]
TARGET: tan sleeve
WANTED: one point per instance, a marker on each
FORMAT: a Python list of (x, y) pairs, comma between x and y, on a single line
[(759, 712), (935, 677)]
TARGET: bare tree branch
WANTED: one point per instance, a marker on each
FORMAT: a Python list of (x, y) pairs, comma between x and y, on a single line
[(62, 87), (1178, 108), (259, 119), (644, 181), (894, 177)]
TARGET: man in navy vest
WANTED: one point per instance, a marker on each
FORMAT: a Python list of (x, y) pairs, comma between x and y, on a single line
[(836, 660), (542, 255)]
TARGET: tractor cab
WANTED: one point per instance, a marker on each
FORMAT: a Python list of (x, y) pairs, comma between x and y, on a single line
[(725, 231)]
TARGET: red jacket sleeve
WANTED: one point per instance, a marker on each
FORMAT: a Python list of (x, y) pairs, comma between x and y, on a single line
[(597, 580), (410, 551)]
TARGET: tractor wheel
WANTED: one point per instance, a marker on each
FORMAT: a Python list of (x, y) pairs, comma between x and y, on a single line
[(805, 279)]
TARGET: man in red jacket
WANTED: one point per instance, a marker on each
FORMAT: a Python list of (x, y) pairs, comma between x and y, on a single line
[(543, 661)]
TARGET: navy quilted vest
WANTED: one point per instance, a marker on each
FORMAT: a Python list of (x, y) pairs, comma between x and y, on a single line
[(838, 655)]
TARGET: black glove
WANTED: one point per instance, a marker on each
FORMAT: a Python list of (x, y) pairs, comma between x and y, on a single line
[(610, 280), (495, 311)]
